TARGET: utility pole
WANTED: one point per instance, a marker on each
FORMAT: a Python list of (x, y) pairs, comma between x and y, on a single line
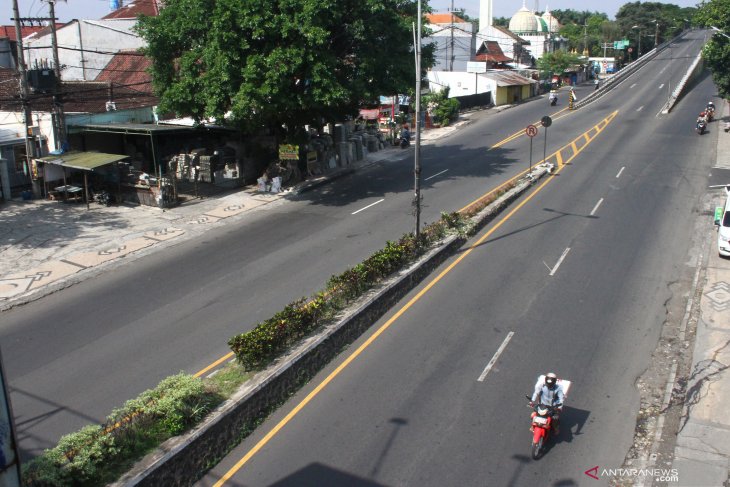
[(417, 155), (656, 34), (60, 135), (451, 64), (585, 37), (27, 112)]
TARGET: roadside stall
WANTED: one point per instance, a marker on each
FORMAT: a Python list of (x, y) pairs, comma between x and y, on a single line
[(73, 176)]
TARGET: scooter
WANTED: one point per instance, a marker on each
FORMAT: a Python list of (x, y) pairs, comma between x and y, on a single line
[(405, 139), (554, 101), (701, 127), (542, 427)]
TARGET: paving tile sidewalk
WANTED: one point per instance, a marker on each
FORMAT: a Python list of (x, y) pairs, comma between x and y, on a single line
[(702, 452), (46, 245)]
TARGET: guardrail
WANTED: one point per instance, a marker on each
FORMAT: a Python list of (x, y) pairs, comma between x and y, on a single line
[(693, 69), (625, 73)]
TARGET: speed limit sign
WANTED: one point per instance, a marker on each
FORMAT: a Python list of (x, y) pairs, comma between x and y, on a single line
[(531, 130)]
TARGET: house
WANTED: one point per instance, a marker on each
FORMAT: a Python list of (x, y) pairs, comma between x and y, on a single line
[(454, 41)]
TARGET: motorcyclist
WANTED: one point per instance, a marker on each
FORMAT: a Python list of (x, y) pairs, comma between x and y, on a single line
[(710, 107), (553, 97), (405, 134), (550, 393)]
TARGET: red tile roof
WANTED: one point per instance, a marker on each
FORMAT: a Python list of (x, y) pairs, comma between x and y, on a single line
[(128, 68), (134, 9), (123, 81), (9, 31), (491, 52), (444, 19), (9, 88)]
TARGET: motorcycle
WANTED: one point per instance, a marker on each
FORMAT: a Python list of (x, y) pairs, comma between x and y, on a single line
[(405, 139), (542, 427), (701, 127), (553, 101), (102, 197), (710, 114)]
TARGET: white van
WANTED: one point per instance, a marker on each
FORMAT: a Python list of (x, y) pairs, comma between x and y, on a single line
[(722, 220)]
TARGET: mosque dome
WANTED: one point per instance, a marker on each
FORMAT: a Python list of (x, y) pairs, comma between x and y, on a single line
[(523, 21), (552, 23)]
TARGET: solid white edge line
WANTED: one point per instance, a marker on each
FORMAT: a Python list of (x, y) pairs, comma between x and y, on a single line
[(620, 171), (437, 174), (496, 356), (560, 261), (368, 206), (595, 208)]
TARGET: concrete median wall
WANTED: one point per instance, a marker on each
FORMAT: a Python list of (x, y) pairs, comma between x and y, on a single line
[(182, 460)]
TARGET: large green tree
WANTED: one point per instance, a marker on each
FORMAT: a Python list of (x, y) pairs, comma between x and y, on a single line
[(556, 62), (279, 63), (585, 30), (716, 13), (655, 22)]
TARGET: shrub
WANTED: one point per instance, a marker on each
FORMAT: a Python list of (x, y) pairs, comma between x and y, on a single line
[(96, 455), (256, 348)]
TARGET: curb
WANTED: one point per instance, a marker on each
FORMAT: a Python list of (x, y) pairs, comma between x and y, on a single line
[(184, 459)]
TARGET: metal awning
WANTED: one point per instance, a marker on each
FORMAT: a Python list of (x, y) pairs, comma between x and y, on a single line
[(86, 161)]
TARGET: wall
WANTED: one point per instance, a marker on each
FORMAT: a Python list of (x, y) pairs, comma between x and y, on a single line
[(96, 38), (460, 83)]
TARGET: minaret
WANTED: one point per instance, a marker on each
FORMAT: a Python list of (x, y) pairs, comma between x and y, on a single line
[(485, 15)]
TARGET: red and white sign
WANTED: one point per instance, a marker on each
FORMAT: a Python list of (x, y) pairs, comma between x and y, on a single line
[(531, 130)]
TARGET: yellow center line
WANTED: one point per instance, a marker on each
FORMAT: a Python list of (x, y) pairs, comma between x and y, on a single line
[(512, 137), (232, 471)]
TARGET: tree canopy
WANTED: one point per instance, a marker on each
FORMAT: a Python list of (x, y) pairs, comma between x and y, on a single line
[(557, 61), (279, 62), (653, 21), (585, 30), (716, 13)]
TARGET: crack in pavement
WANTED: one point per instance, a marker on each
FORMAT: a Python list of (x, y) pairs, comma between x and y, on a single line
[(694, 393)]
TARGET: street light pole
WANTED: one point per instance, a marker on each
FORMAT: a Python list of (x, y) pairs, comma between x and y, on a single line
[(638, 53), (417, 154)]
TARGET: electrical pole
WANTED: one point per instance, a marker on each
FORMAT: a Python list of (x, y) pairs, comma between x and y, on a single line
[(585, 37), (27, 112), (417, 155), (656, 34), (451, 64), (60, 135)]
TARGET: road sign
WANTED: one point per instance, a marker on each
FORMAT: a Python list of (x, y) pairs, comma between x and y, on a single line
[(531, 130), (631, 49), (546, 121)]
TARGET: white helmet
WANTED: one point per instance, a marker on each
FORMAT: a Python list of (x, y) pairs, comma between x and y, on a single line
[(550, 379)]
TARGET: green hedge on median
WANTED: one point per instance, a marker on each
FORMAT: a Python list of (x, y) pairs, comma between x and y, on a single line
[(257, 348), (99, 454)]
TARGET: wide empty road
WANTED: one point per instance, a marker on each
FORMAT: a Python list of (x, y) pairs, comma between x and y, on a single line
[(576, 281)]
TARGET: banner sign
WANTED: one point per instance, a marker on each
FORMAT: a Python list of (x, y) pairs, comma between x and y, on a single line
[(288, 152)]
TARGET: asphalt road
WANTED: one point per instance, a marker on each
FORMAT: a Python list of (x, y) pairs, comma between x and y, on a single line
[(580, 276), (73, 356)]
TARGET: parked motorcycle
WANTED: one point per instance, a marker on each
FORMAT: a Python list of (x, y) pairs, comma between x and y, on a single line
[(542, 427), (102, 197), (701, 127)]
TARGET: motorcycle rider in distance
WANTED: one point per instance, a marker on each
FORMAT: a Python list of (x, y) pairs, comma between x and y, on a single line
[(553, 97), (710, 110), (551, 393)]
